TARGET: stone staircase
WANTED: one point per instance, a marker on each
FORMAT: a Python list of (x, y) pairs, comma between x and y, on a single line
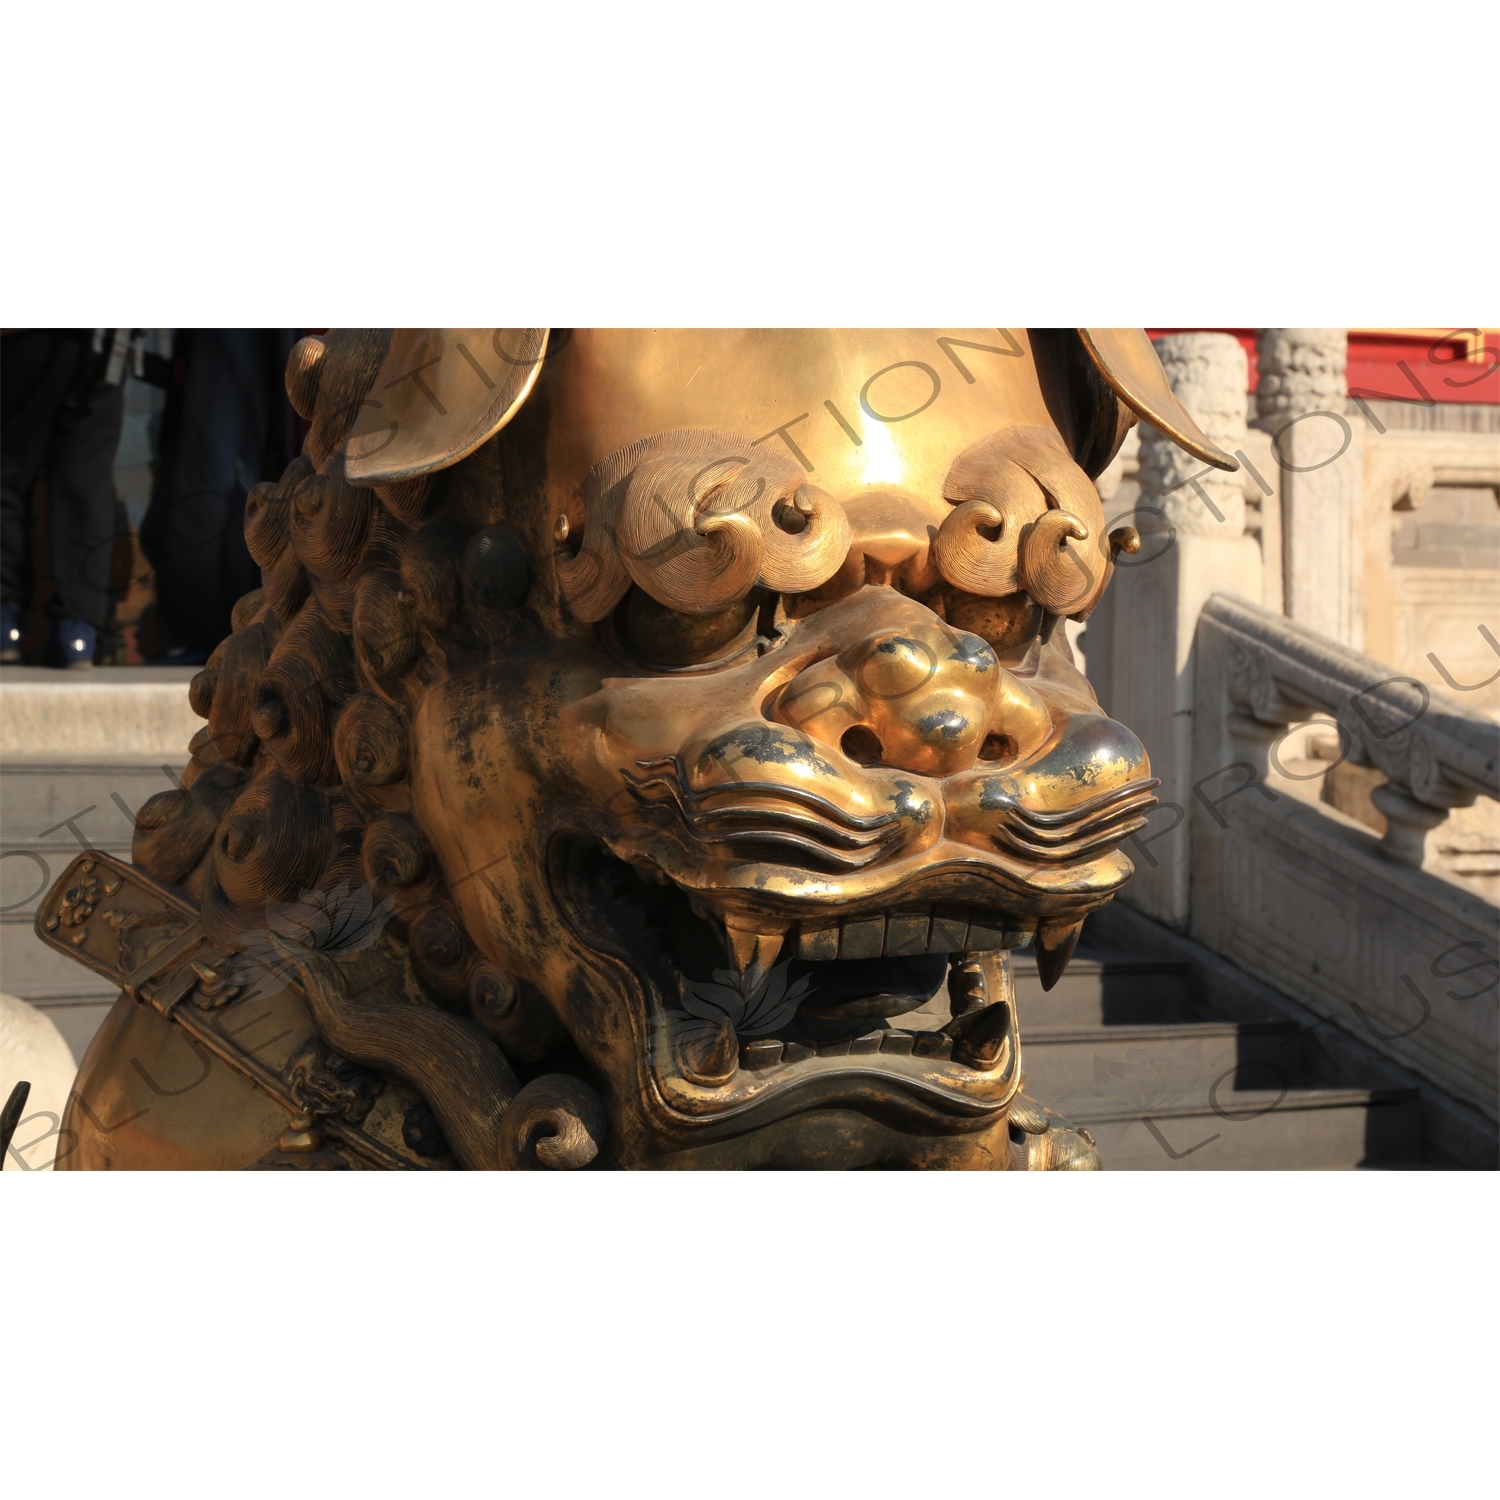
[(1125, 1047), (37, 801)]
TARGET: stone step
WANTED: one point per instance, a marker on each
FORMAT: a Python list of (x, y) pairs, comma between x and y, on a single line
[(30, 970), (1160, 1062), (37, 798), (1125, 1046), (105, 714), (36, 844), (1103, 988), (1259, 1130)]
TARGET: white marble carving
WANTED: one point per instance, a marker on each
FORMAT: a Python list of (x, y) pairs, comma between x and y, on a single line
[(1140, 640), (1315, 903), (1300, 400)]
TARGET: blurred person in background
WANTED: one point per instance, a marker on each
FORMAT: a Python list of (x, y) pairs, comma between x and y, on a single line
[(227, 426), (61, 405)]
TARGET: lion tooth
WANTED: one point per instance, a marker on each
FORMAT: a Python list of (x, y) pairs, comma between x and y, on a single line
[(1054, 945), (984, 938), (906, 933), (897, 1043), (984, 1037), (709, 1055), (933, 1044), (795, 1052), (950, 930), (869, 1042), (862, 937), (748, 948), (818, 944), (761, 1054)]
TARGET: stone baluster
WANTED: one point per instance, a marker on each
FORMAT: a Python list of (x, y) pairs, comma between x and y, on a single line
[(1408, 822), (1301, 400)]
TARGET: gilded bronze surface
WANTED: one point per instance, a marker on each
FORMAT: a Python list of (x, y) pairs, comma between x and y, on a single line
[(645, 750)]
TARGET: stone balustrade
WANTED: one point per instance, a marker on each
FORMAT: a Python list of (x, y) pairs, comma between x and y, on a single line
[(1436, 755), (1365, 931), (1405, 465)]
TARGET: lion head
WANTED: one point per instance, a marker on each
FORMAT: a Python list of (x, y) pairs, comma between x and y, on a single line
[(699, 707)]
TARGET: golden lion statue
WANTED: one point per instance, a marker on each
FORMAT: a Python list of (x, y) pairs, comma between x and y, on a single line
[(645, 749)]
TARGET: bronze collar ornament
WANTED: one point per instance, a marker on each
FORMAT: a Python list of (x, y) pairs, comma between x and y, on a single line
[(645, 750)]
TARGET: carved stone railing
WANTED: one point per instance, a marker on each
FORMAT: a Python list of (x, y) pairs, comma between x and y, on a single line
[(1311, 901), (1435, 755), (1405, 466)]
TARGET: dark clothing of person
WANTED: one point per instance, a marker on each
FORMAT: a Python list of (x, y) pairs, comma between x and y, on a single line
[(59, 419), (227, 426)]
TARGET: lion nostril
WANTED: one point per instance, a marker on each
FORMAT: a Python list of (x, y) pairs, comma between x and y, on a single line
[(862, 745), (998, 747)]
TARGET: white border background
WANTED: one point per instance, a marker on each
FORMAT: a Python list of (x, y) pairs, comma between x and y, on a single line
[(776, 163)]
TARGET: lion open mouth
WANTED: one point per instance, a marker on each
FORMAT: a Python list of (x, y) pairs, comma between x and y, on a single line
[(907, 1006)]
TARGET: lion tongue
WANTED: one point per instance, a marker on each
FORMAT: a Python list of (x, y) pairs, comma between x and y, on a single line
[(749, 948)]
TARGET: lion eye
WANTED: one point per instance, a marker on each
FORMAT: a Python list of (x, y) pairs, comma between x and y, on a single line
[(672, 638), (1009, 624)]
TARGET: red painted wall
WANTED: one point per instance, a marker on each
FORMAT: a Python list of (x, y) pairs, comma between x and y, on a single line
[(1394, 365)]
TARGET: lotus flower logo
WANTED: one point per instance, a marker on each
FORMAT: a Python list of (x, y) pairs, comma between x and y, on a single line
[(1141, 1081), (1130, 1089), (340, 920), (755, 1003), (716, 1016)]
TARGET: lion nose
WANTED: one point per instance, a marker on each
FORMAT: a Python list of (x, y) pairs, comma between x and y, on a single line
[(925, 700)]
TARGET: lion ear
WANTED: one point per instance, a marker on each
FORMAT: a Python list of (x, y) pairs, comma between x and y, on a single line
[(1125, 358), (440, 393)]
